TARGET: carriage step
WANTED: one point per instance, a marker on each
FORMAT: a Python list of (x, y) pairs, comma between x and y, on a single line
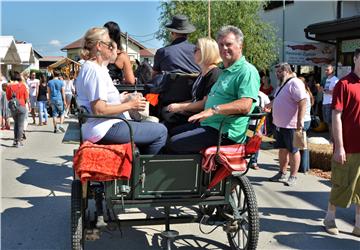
[(100, 223), (170, 234)]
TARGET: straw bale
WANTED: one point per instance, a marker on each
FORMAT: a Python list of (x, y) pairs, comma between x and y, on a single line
[(320, 156)]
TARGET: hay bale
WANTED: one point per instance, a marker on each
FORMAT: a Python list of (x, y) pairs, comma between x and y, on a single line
[(320, 156)]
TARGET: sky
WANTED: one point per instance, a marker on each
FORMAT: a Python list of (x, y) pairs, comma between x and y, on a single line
[(51, 25)]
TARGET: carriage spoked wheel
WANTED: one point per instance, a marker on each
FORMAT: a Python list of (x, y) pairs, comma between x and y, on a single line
[(77, 216), (243, 232)]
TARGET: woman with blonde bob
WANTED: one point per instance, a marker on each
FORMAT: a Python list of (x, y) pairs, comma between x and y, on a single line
[(207, 56), (98, 94)]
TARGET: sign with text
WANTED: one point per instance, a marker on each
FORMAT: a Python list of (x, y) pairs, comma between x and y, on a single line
[(314, 54)]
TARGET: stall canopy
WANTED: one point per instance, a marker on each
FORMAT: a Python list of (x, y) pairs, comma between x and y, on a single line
[(8, 51), (330, 31), (66, 66), (26, 53)]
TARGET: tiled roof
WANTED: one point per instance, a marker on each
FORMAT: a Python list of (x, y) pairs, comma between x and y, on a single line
[(74, 45), (78, 43), (146, 53), (51, 58)]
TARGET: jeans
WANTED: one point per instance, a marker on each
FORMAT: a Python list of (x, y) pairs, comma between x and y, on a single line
[(42, 109), (254, 157), (305, 156), (19, 119), (192, 138), (57, 107), (150, 137)]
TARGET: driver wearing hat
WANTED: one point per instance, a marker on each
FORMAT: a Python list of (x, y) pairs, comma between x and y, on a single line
[(178, 57)]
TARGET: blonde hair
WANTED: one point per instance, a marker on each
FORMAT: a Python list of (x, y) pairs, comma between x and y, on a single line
[(91, 38), (209, 51)]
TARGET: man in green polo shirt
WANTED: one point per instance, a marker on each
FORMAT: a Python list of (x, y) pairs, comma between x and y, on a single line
[(235, 92)]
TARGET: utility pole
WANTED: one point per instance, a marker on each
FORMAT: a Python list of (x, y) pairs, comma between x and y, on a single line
[(127, 41), (283, 33), (209, 19)]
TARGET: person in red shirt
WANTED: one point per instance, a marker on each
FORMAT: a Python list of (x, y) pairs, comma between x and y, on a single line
[(265, 86), (345, 165), (18, 88)]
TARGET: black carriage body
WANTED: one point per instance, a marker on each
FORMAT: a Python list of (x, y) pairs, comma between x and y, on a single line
[(159, 180)]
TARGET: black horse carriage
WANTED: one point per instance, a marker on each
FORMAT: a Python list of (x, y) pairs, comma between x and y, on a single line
[(167, 181)]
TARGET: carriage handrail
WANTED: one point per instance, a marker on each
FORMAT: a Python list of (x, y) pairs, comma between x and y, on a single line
[(252, 116)]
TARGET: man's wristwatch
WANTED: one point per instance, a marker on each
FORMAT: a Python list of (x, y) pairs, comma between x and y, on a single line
[(216, 109)]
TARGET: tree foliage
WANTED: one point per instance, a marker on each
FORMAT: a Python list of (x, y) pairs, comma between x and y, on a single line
[(259, 36)]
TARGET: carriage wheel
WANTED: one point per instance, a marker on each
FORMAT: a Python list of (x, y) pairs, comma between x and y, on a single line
[(243, 233), (77, 216)]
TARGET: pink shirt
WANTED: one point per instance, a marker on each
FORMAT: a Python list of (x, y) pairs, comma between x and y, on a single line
[(285, 105)]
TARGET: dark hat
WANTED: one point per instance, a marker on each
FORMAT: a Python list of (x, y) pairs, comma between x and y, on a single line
[(180, 24)]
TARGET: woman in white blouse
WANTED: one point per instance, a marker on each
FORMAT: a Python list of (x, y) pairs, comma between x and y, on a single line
[(98, 94)]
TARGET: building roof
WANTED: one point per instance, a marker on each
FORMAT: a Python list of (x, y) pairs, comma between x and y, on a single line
[(26, 53), (51, 58), (74, 45), (8, 51), (330, 31), (78, 43), (62, 62), (146, 53)]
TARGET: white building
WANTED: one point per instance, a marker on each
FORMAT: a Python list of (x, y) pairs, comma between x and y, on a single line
[(290, 21), (17, 56)]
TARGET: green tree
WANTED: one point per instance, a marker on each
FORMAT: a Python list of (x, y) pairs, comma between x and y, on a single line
[(260, 40)]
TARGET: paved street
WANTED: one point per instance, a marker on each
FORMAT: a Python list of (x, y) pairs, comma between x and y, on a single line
[(35, 205)]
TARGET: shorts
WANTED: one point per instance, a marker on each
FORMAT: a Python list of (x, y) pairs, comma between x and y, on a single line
[(345, 181), (33, 102), (57, 108), (326, 112), (68, 98), (284, 139)]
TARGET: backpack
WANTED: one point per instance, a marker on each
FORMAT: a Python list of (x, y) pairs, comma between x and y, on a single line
[(13, 103)]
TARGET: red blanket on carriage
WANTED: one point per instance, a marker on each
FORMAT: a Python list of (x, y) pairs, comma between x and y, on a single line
[(103, 162), (230, 158)]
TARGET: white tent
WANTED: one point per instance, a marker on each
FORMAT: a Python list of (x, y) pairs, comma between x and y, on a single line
[(8, 51), (26, 53)]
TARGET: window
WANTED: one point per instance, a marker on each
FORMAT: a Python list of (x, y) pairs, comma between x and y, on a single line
[(275, 4)]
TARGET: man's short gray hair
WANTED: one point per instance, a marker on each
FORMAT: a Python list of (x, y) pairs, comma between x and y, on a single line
[(225, 30), (284, 66)]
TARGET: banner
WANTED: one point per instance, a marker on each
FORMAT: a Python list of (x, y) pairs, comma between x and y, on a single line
[(314, 54)]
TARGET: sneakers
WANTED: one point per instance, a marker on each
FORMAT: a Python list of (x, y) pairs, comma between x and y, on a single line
[(331, 228), (255, 166), (356, 231), (291, 181), (56, 131), (61, 129), (281, 177), (18, 144)]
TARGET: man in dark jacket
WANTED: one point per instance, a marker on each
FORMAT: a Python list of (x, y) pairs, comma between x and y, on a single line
[(178, 57)]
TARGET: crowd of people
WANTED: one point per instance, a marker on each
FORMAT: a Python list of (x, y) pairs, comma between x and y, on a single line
[(226, 85), (39, 97)]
